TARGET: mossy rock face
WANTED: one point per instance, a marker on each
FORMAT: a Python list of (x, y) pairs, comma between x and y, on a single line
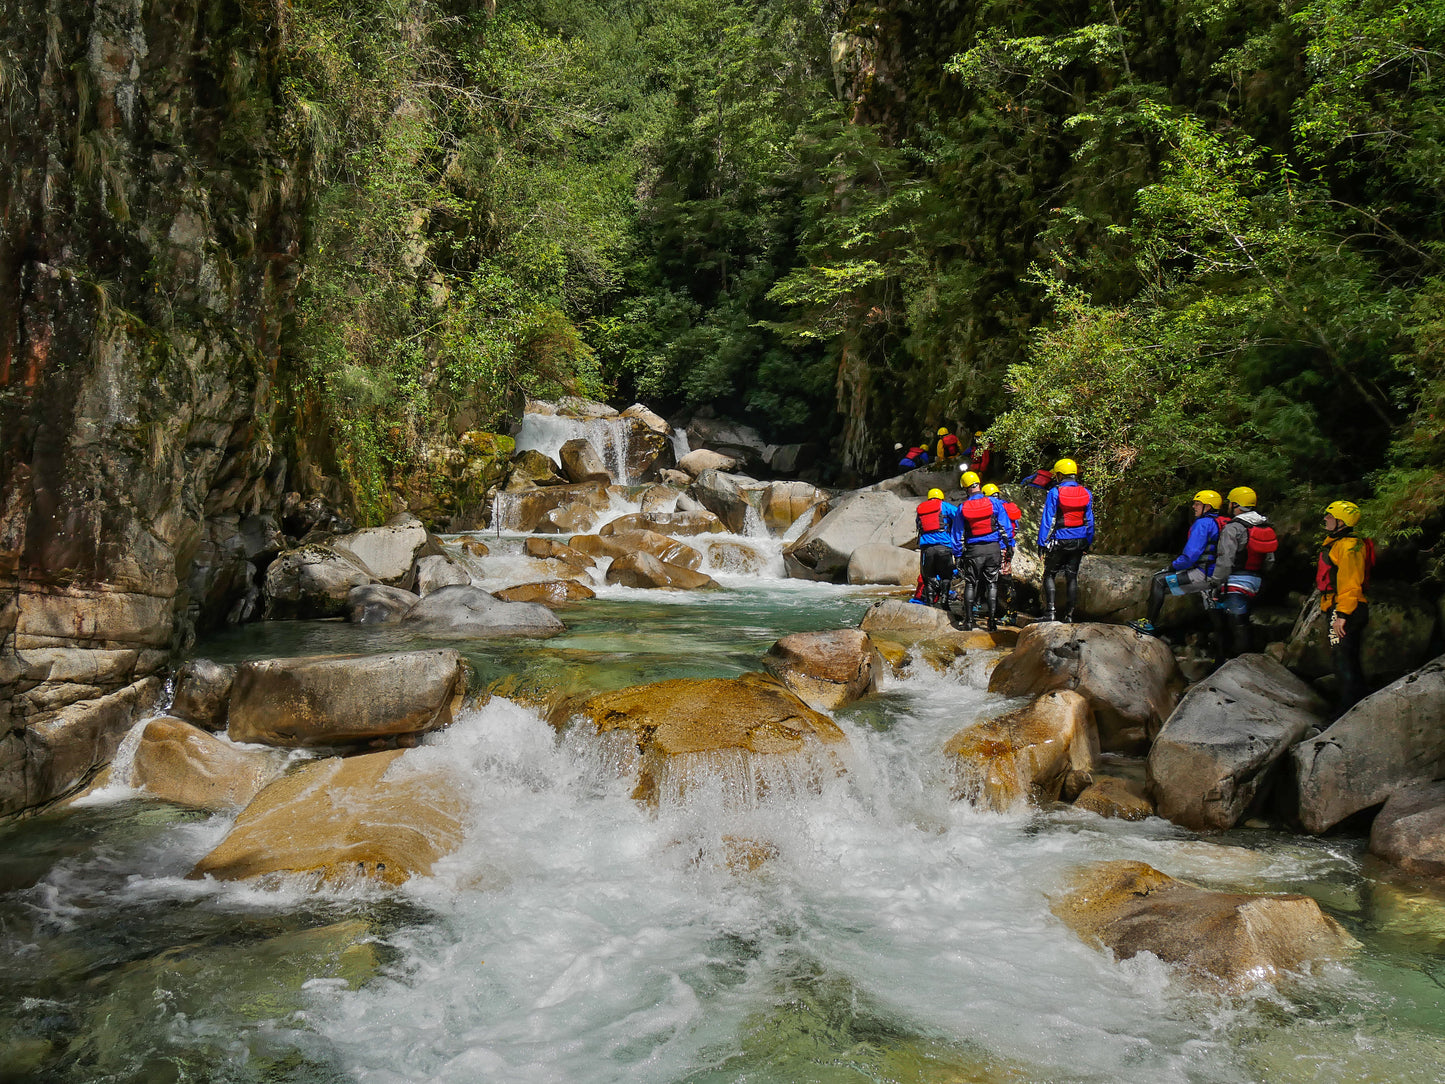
[(448, 484)]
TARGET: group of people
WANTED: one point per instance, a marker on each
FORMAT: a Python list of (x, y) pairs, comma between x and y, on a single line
[(947, 449), (1229, 551)]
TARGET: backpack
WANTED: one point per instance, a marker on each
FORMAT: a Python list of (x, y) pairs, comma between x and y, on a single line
[(1259, 549)]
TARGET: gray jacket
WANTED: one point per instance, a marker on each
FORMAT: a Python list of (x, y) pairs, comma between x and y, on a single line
[(1233, 538)]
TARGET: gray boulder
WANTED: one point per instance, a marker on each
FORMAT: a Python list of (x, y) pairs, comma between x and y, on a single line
[(312, 581), (1220, 749), (471, 612), (582, 463), (875, 562), (897, 615), (721, 495), (202, 689), (377, 604), (1114, 587), (1388, 741), (389, 552), (741, 442), (1410, 830), (856, 520), (434, 573)]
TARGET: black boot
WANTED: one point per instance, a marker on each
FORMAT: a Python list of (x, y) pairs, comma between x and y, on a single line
[(992, 595), (1243, 634), (967, 605), (1071, 593), (1047, 613)]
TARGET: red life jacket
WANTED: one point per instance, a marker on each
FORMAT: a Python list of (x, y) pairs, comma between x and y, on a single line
[(930, 515), (1222, 520), (978, 516), (1326, 570), (1074, 503), (950, 445), (914, 452), (1015, 513), (1259, 548)]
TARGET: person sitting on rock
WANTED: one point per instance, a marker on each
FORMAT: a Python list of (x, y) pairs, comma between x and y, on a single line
[(1187, 574), (948, 447), (936, 520), (1342, 577), (1066, 531), (981, 538), (1013, 513), (914, 457), (1244, 555)]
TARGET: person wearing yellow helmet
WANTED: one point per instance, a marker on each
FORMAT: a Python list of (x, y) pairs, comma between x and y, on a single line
[(936, 519), (1244, 555), (1066, 531), (1342, 577), (948, 447), (1005, 571), (982, 536), (916, 456), (1187, 574)]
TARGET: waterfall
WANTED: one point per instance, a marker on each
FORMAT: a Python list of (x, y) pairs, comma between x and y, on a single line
[(611, 437), (680, 446), (503, 505)]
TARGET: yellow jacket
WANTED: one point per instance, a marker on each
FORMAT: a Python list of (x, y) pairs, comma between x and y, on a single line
[(1341, 576)]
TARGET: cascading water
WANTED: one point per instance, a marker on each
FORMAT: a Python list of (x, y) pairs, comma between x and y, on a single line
[(611, 437)]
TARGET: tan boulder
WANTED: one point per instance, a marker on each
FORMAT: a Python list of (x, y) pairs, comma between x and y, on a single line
[(1130, 679), (1029, 755), (1111, 797), (737, 558), (581, 462), (878, 562), (701, 459), (668, 550), (826, 669), (339, 699), (673, 524), (658, 498), (531, 469), (474, 548), (553, 549), (182, 764), (203, 689), (896, 615), (548, 593), (341, 819), (752, 731), (1227, 940), (525, 510), (783, 503), (1410, 831), (644, 570)]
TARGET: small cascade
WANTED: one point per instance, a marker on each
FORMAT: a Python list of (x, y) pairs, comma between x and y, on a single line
[(753, 525), (680, 446), (504, 506), (611, 437)]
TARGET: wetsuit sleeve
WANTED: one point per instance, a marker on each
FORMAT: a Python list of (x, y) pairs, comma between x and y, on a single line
[(1349, 558), (1193, 546), (1046, 521)]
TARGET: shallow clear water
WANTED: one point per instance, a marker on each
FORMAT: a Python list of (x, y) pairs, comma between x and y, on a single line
[(580, 936)]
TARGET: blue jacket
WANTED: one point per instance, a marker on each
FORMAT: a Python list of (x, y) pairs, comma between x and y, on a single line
[(1004, 521), (1048, 533), (948, 519), (1199, 546)]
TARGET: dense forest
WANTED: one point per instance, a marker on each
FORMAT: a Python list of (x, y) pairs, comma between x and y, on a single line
[(1187, 242)]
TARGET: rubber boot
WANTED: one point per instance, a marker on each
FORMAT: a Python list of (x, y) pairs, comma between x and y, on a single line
[(1220, 626), (1049, 588), (1071, 594), (1243, 634), (967, 605), (1157, 590), (993, 607)]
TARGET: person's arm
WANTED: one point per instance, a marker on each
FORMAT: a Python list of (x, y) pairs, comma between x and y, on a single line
[(1089, 522), (1046, 521), (1193, 546)]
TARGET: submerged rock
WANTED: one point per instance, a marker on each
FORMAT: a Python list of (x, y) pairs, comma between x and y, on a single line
[(182, 764), (644, 570), (826, 669), (551, 548), (471, 612), (1031, 755), (1227, 940), (377, 604), (1218, 751), (343, 819), (736, 558), (1130, 679), (1410, 830), (342, 699), (312, 581), (751, 731), (548, 593), (203, 688)]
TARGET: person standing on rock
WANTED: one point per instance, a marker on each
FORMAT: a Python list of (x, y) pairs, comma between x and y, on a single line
[(982, 539), (1244, 555), (1005, 571), (1066, 531), (1342, 576), (1187, 574), (948, 447), (937, 520)]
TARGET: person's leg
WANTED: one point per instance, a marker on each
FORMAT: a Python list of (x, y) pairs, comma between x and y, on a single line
[(1158, 589), (970, 588), (1348, 658), (1051, 569), (1071, 582), (990, 578)]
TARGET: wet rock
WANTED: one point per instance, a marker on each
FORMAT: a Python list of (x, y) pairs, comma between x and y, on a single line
[(875, 562), (639, 569), (471, 612), (622, 543), (376, 604), (569, 519), (322, 700), (857, 520), (574, 406), (647, 450), (736, 558), (525, 510), (312, 581), (648, 418), (1410, 831), (894, 615), (722, 495), (553, 548), (687, 732), (939, 651), (784, 503), (389, 552), (679, 524), (1111, 797), (1218, 752), (203, 689), (1115, 588), (531, 469), (342, 819), (1225, 940), (1131, 679), (701, 459), (826, 669), (434, 573), (1397, 641), (582, 463), (1026, 756), (549, 593), (182, 764), (473, 548), (658, 498), (1388, 741)]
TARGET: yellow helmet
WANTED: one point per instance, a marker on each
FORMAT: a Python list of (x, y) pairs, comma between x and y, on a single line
[(969, 479), (935, 494), (943, 431), (1243, 496), (990, 490), (978, 432), (1066, 466), (1210, 499), (1346, 512)]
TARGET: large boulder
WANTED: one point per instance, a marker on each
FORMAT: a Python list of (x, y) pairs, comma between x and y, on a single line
[(701, 459), (856, 520), (678, 524), (1131, 679), (784, 503), (561, 551), (312, 581), (322, 700), (1219, 750), (1030, 755), (1397, 641), (658, 498), (203, 689), (735, 558), (622, 543), (901, 618), (531, 469), (182, 764), (879, 563), (1115, 588), (377, 604), (581, 462), (1410, 830), (647, 448), (471, 612), (721, 495), (438, 571), (826, 669), (752, 730), (1225, 940), (1388, 741), (343, 819), (638, 569), (387, 552), (574, 406), (741, 442), (523, 511)]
